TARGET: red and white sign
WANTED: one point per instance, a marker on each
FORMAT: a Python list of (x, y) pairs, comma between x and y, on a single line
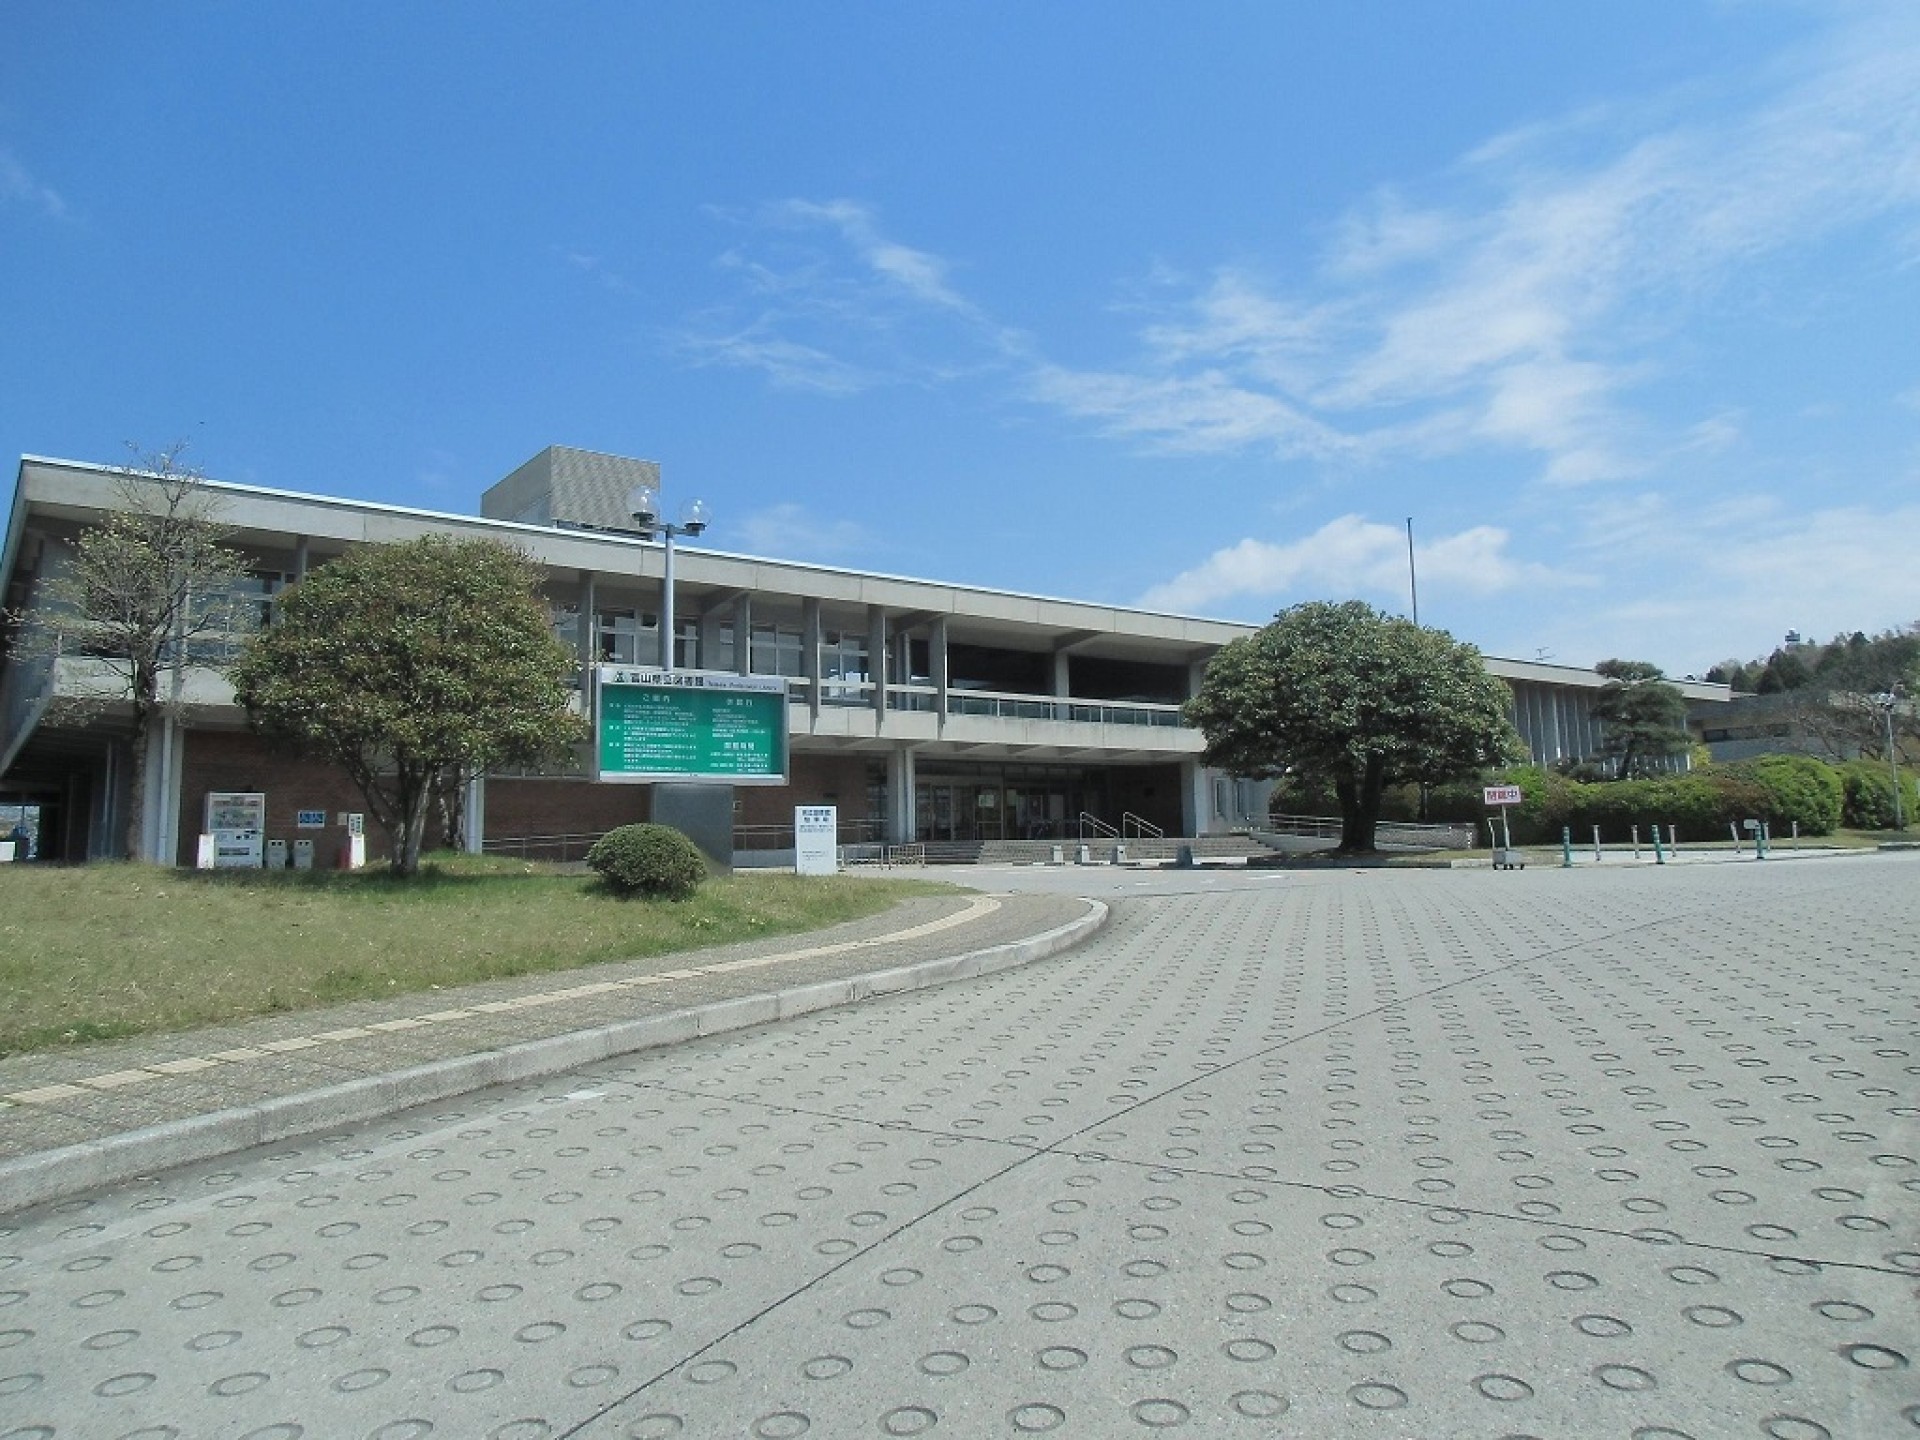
[(1502, 794)]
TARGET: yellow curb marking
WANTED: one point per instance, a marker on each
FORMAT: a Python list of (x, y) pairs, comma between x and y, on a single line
[(182, 1067), (977, 908), (46, 1093)]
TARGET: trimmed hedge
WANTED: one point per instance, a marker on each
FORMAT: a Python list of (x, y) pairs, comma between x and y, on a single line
[(1800, 790), (656, 861), (1699, 804), (1869, 795)]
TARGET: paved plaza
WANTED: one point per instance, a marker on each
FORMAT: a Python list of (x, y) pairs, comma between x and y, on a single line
[(1607, 1152)]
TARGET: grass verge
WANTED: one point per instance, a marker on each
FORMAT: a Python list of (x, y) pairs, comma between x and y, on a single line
[(108, 951)]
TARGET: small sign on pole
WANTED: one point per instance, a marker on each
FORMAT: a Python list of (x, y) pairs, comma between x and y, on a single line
[(1500, 797), (816, 835)]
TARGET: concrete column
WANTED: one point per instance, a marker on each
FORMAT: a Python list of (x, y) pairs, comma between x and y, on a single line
[(877, 660), (810, 653), (160, 821), (299, 558), (743, 635), (937, 663), (902, 823), (709, 642), (1196, 800), (1196, 673), (586, 624), (1062, 674), (473, 816)]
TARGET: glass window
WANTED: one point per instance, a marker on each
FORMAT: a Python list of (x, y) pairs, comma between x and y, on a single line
[(776, 650)]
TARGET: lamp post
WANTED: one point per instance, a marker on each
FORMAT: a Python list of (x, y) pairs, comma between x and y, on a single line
[(643, 503), (1885, 701)]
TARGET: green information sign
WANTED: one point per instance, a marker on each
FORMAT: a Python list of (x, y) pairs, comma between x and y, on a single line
[(690, 725)]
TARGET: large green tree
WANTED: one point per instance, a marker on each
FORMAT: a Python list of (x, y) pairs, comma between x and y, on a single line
[(411, 666), (1359, 698), (1643, 717), (136, 601)]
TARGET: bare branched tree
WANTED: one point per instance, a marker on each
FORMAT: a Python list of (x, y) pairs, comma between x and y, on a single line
[(143, 596)]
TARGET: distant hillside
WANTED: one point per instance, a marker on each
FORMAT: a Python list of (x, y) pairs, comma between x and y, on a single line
[(1857, 662)]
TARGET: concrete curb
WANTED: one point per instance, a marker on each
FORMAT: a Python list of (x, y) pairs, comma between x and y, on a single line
[(52, 1175)]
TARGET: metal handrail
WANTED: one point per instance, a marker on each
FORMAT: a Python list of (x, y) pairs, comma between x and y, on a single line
[(1140, 828), (1101, 829)]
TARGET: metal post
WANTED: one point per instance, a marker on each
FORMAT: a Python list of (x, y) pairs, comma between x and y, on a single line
[(1893, 768), (666, 602), (1659, 855), (1597, 856), (1760, 838), (1636, 842), (1413, 579), (1566, 847)]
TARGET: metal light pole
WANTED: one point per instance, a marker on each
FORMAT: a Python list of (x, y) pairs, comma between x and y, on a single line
[(643, 503), (1886, 701)]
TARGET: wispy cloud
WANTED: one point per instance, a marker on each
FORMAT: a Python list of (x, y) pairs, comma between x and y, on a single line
[(1523, 318), (1694, 581), (1523, 315), (19, 187), (1350, 556), (789, 530), (786, 363), (827, 301)]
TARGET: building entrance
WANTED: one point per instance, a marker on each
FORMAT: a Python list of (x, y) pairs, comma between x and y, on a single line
[(1002, 807)]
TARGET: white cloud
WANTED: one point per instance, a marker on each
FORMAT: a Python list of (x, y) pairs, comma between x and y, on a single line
[(789, 530), (1524, 317), (1347, 556), (18, 186), (1689, 582), (786, 363), (830, 303), (920, 274), (1201, 412)]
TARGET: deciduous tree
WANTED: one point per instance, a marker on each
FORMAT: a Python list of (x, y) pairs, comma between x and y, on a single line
[(407, 664), (1361, 698), (140, 598)]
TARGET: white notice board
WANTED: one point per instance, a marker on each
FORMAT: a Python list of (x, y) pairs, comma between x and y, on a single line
[(816, 836)]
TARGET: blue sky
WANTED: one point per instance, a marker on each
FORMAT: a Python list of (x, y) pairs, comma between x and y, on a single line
[(1188, 306)]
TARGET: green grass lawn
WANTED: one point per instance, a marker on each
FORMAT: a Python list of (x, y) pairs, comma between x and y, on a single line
[(104, 951)]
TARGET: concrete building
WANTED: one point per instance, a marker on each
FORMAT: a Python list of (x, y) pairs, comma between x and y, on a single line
[(923, 710)]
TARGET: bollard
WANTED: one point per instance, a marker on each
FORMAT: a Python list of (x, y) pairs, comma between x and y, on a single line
[(1673, 838), (1636, 842), (1059, 855), (1183, 858), (1085, 856), (1596, 844), (1734, 831), (1119, 854), (1760, 838), (1566, 847), (1659, 855)]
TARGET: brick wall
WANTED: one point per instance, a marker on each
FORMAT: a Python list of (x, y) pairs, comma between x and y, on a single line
[(227, 760), (235, 760)]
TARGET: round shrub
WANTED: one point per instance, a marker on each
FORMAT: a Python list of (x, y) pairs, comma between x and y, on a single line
[(1799, 788), (1869, 788), (651, 860)]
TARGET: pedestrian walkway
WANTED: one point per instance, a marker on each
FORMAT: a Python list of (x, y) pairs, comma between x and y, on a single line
[(71, 1120)]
